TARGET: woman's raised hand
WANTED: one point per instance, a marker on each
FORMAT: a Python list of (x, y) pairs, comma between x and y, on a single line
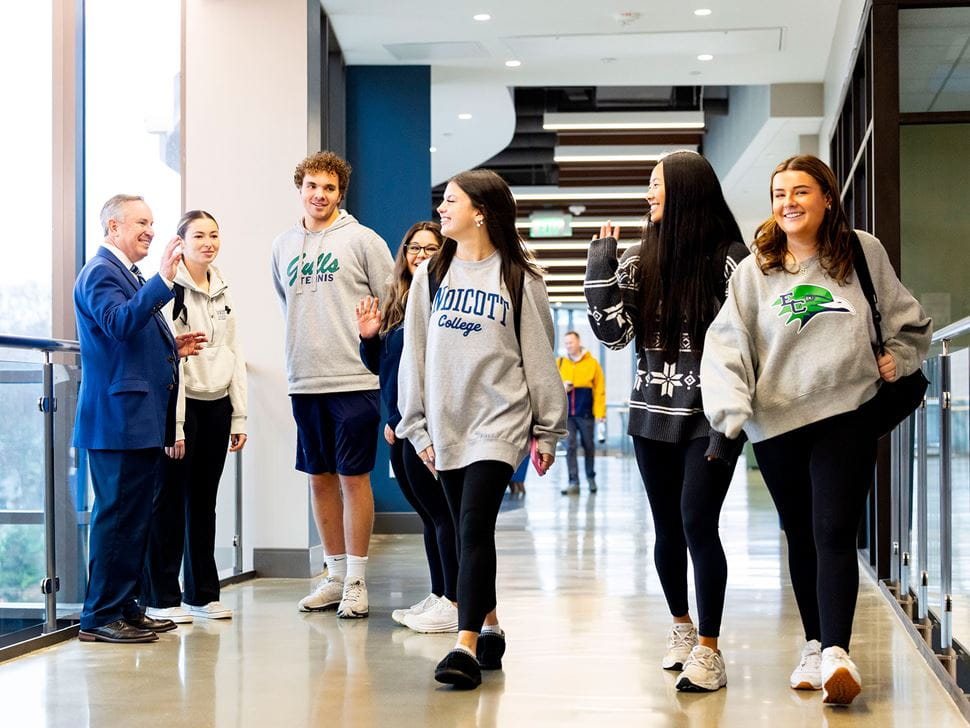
[(608, 231), (368, 317)]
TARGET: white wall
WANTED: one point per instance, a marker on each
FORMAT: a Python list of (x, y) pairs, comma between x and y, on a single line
[(841, 58), (245, 116)]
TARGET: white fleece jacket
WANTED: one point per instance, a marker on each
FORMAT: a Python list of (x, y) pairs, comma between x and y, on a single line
[(220, 368)]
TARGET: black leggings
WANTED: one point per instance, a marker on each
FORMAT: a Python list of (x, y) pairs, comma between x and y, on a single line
[(426, 497), (686, 492), (474, 495), (184, 512), (819, 476)]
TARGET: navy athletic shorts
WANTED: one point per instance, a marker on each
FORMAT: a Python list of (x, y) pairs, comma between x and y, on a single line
[(336, 432)]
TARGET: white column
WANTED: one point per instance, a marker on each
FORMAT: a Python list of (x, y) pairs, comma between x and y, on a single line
[(245, 129)]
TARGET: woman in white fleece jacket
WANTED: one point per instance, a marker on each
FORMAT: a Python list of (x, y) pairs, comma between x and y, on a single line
[(210, 417)]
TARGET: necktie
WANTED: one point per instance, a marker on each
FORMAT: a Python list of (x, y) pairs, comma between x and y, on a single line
[(138, 275)]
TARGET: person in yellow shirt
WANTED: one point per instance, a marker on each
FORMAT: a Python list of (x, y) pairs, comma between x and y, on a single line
[(586, 393)]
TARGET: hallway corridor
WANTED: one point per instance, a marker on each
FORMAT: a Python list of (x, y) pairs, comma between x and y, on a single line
[(586, 623)]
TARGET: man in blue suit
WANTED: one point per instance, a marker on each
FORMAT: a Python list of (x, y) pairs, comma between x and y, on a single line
[(125, 413)]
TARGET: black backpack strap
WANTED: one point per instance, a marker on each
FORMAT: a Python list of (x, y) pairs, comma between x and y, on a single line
[(179, 306), (433, 285), (865, 281), (517, 310)]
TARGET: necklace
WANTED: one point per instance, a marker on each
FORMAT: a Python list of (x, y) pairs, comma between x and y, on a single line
[(795, 268)]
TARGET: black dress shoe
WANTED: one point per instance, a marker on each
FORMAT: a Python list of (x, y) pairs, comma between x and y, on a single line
[(490, 649), (460, 669), (117, 631), (152, 625)]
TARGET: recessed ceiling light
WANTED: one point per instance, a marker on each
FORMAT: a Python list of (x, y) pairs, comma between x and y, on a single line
[(464, 117), (513, 64), (432, 149), (705, 57), (702, 12), (482, 17)]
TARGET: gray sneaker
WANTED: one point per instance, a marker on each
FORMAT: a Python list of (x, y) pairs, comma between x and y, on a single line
[(592, 485), (325, 596), (571, 489), (704, 671), (353, 605)]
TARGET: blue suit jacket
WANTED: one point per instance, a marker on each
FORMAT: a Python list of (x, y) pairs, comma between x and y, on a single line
[(129, 361)]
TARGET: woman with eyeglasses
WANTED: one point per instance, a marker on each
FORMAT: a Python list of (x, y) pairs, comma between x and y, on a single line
[(381, 328), (210, 421)]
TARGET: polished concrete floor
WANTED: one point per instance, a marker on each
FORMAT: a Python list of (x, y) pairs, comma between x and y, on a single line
[(586, 623)]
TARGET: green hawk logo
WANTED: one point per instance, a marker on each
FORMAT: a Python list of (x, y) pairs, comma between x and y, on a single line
[(803, 303)]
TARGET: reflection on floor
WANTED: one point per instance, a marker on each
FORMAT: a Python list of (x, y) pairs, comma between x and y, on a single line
[(586, 621)]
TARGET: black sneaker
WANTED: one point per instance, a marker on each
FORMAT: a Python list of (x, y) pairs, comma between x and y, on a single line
[(491, 647), (460, 669)]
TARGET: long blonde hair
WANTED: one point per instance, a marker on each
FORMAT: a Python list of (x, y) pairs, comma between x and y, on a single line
[(392, 310)]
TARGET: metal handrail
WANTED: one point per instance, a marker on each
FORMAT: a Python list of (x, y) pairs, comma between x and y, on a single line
[(951, 331), (67, 346)]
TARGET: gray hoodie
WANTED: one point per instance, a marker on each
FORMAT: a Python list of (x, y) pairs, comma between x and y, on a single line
[(220, 368), (465, 385), (790, 349), (320, 278)]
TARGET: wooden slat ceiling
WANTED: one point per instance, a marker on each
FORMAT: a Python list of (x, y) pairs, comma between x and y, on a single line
[(528, 161)]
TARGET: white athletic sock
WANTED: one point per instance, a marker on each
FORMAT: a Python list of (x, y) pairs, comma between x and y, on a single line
[(356, 566), (493, 628), (337, 565)]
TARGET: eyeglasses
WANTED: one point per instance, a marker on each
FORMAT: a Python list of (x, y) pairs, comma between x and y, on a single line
[(428, 250)]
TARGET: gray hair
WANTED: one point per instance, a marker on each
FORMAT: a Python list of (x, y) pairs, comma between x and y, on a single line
[(112, 208)]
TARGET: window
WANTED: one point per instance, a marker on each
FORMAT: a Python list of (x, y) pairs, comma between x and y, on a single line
[(132, 112)]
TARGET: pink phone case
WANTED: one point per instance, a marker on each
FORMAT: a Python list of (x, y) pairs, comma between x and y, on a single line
[(536, 458)]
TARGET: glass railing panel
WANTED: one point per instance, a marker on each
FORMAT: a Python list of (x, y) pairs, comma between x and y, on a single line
[(22, 559), (73, 497), (933, 484), (960, 451)]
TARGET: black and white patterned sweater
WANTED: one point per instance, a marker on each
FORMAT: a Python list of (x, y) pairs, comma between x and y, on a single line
[(666, 403)]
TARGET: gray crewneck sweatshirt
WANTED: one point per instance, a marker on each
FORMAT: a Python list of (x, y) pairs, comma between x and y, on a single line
[(465, 385), (320, 278), (790, 349)]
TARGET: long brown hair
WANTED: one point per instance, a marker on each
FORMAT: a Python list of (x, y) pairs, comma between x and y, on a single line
[(834, 234), (392, 311), (491, 196), (188, 218)]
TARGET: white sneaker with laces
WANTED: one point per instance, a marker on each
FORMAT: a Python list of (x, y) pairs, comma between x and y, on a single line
[(326, 596), (442, 617), (176, 614), (353, 604), (840, 677), (212, 610), (808, 674), (424, 605), (704, 671), (680, 641)]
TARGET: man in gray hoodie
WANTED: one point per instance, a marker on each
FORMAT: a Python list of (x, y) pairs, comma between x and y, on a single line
[(322, 267)]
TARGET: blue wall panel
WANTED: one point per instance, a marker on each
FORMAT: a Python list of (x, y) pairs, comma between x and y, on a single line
[(388, 135)]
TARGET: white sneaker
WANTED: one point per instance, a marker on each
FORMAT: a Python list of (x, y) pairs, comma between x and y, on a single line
[(212, 610), (326, 596), (176, 614), (840, 677), (808, 674), (704, 671), (353, 604), (680, 641), (442, 617), (424, 605)]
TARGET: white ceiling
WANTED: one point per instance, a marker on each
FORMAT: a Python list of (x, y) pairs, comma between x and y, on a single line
[(576, 42)]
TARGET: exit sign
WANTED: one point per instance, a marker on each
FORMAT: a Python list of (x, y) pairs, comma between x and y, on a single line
[(550, 225)]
